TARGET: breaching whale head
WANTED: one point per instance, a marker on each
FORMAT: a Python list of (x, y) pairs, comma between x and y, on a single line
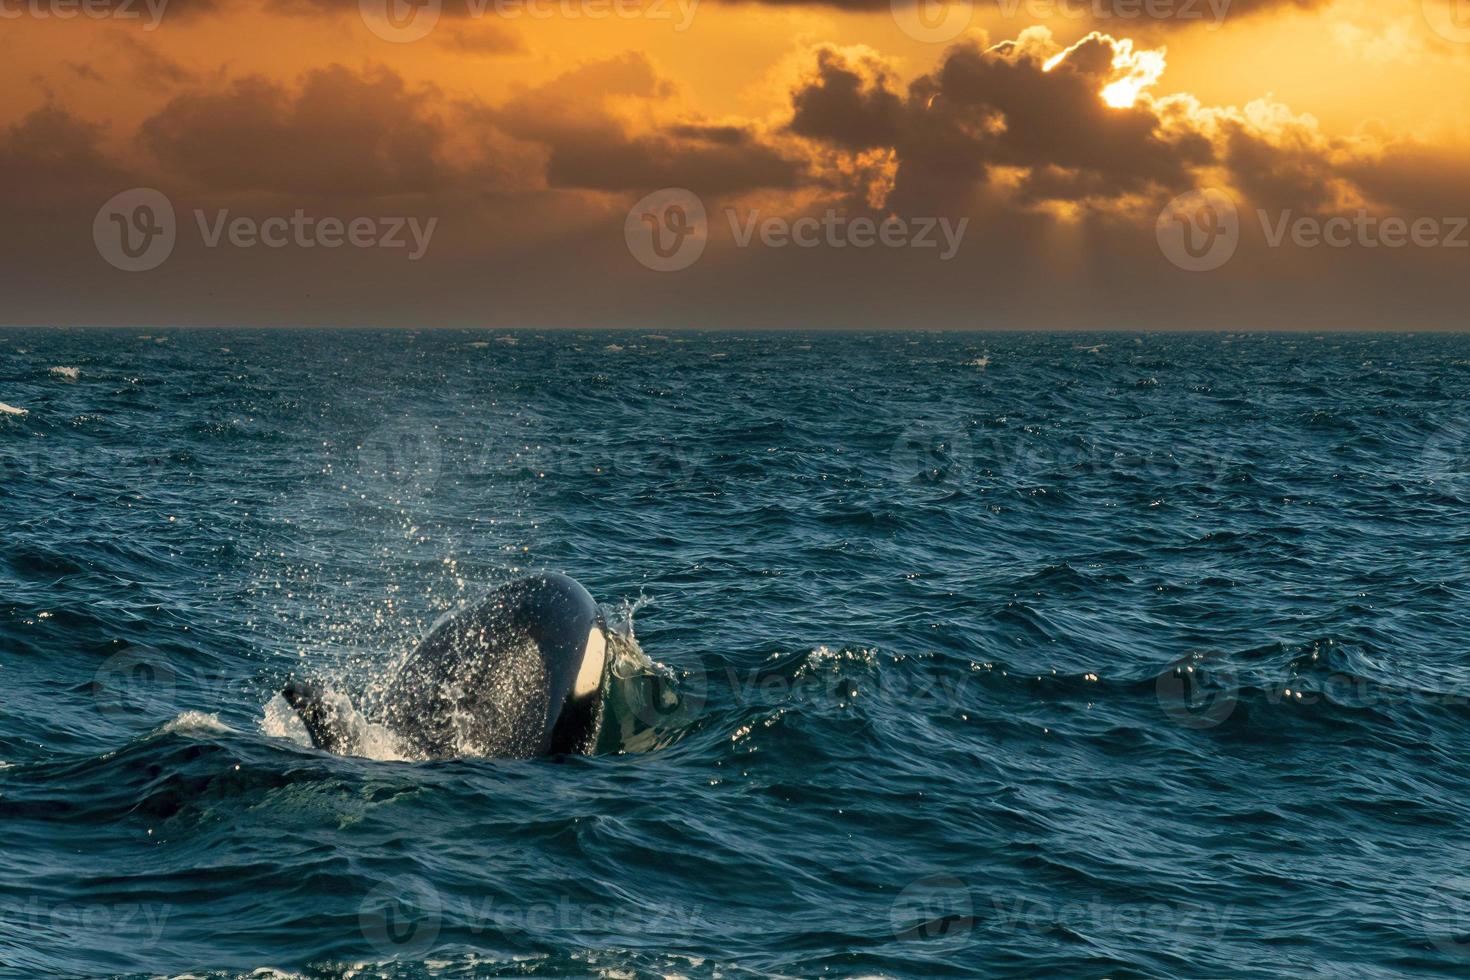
[(518, 675)]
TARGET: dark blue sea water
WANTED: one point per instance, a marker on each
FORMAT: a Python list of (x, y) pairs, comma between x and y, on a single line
[(998, 655)]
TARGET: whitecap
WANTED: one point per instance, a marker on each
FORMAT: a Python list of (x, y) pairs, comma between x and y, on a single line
[(70, 373), (193, 721), (12, 410)]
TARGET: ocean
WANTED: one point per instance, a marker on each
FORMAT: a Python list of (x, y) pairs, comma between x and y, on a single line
[(1003, 654)]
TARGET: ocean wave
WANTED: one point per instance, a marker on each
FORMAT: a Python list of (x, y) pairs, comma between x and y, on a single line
[(1155, 680)]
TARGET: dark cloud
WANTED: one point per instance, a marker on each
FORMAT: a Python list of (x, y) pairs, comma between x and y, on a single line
[(1289, 171), (51, 158), (1109, 12), (532, 194), (1415, 178), (588, 146), (450, 9), (84, 71), (1005, 106), (150, 68), (648, 162), (342, 134), (854, 109), (727, 135)]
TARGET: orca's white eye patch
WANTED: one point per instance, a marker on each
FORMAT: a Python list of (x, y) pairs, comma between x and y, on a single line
[(589, 677)]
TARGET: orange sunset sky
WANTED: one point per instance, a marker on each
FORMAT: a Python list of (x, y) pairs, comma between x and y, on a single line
[(1059, 133)]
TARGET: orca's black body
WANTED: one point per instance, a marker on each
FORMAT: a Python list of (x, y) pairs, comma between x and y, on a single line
[(519, 675)]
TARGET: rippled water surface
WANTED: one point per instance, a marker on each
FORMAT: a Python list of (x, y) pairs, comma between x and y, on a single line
[(999, 655)]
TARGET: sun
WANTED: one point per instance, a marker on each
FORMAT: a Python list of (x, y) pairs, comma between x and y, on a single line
[(1141, 70)]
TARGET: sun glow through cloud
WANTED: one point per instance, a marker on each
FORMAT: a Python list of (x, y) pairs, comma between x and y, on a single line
[(530, 146), (1142, 70), (1138, 69)]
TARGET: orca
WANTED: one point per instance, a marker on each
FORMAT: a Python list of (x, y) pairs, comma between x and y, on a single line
[(518, 675)]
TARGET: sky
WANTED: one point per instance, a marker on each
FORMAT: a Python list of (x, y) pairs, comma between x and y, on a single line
[(665, 164)]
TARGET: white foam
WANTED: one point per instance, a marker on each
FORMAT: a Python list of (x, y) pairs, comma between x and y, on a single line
[(361, 737), (281, 721), (193, 721), (12, 410), (70, 373)]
